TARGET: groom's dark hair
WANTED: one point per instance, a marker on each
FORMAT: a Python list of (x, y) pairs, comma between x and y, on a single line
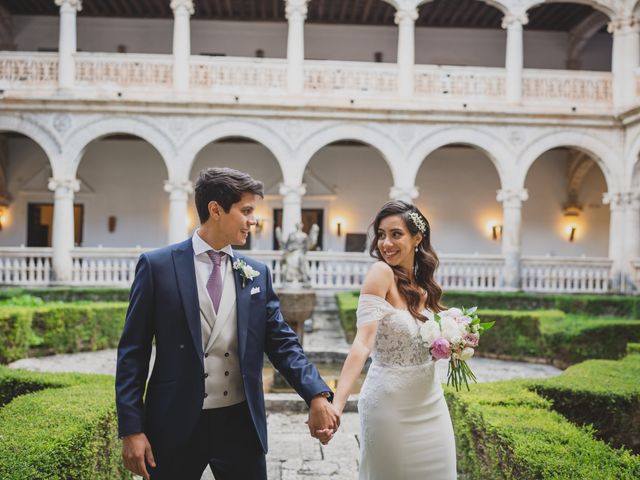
[(224, 186)]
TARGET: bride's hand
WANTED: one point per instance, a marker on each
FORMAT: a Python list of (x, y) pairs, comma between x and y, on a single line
[(324, 436)]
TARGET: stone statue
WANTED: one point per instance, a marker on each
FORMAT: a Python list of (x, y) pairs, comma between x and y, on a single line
[(294, 262)]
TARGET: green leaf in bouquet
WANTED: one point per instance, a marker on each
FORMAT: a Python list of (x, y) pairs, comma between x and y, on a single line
[(437, 318), (486, 325), (471, 311)]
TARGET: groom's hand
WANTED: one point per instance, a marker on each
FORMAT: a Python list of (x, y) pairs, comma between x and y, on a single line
[(322, 416), (135, 450)]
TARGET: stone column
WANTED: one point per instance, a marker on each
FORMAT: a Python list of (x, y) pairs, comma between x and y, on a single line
[(408, 194), (182, 11), (179, 192), (514, 59), (632, 226), (296, 13), (63, 225), (291, 206), (67, 42), (511, 200), (625, 59), (617, 204), (406, 18)]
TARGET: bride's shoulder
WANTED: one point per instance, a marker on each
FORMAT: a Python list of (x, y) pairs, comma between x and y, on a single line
[(378, 280)]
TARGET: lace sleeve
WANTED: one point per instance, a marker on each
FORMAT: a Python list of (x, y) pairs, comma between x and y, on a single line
[(372, 308)]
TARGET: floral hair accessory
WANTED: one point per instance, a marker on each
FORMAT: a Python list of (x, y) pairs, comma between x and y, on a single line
[(418, 221)]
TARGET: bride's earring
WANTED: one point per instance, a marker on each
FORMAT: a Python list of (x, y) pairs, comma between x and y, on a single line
[(416, 249)]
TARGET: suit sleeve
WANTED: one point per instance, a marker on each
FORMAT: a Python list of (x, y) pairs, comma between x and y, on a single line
[(134, 351), (283, 348)]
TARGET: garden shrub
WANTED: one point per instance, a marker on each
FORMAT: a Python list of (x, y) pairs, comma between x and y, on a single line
[(506, 432), (602, 393), (70, 294), (58, 427), (59, 328)]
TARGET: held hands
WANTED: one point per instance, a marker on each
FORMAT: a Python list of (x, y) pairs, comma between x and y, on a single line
[(324, 419), (135, 450)]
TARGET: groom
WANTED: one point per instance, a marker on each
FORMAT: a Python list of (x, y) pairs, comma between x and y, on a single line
[(212, 314)]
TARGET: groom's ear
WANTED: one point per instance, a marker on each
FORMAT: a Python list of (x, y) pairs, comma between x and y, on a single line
[(214, 210)]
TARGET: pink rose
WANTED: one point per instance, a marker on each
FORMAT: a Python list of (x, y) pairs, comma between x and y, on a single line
[(471, 340), (440, 348)]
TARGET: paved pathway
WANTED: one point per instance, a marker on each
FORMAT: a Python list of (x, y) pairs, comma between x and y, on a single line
[(293, 454)]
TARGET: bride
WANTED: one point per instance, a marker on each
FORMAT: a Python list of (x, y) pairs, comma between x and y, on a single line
[(406, 430)]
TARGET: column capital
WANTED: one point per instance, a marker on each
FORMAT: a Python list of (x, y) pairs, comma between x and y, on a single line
[(633, 200), (65, 185), (180, 186), (176, 5), (512, 197), (406, 14), (403, 193), (624, 25), (292, 191), (75, 4), (615, 200), (296, 9), (511, 19)]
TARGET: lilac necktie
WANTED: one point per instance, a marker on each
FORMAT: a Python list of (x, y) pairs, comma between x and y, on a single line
[(214, 284)]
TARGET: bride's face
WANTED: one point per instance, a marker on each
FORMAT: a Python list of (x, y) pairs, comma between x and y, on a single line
[(395, 242)]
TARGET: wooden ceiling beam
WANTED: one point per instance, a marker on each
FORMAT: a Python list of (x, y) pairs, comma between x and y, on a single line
[(343, 10), (227, 4), (366, 10)]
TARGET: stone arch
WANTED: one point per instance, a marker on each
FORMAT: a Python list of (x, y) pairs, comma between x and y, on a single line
[(87, 133), (318, 139), (210, 133), (600, 5), (631, 164), (36, 132), (586, 142), (492, 146)]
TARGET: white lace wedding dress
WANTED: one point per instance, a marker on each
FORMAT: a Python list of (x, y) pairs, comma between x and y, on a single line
[(405, 423)]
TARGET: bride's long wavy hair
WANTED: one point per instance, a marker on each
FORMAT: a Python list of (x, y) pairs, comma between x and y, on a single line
[(425, 261)]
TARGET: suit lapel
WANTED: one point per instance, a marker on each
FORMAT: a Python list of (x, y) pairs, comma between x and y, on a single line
[(243, 304), (187, 285)]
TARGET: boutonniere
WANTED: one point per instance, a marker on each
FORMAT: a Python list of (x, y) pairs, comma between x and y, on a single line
[(247, 273)]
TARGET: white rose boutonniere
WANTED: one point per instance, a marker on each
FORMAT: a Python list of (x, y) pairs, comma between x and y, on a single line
[(247, 273)]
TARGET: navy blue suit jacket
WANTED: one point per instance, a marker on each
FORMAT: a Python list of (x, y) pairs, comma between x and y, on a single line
[(164, 306)]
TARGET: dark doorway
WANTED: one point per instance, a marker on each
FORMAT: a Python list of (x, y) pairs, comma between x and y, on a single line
[(40, 224), (310, 216)]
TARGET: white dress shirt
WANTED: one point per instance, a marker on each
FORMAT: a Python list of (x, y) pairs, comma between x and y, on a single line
[(204, 265)]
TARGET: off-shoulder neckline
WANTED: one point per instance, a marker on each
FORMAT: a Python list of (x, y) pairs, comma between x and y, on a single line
[(388, 303)]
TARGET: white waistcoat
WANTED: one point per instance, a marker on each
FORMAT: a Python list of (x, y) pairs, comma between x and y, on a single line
[(223, 381)]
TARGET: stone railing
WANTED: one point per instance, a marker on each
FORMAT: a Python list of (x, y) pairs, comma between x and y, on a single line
[(238, 75), (578, 87), (104, 266), (350, 78), (462, 83), (28, 69), (120, 71), (470, 272), (573, 275), (25, 266), (137, 76)]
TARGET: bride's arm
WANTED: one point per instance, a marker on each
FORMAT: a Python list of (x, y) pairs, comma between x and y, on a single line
[(377, 282)]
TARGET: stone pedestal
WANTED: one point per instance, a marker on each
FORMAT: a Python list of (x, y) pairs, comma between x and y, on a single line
[(296, 305)]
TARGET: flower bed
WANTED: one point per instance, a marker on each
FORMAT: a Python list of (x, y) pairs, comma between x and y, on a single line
[(505, 431), (59, 328), (58, 426), (602, 393)]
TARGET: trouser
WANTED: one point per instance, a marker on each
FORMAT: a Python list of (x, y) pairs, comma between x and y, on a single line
[(226, 440)]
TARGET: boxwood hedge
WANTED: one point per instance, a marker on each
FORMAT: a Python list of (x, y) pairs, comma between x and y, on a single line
[(58, 427), (602, 393), (506, 432), (59, 328)]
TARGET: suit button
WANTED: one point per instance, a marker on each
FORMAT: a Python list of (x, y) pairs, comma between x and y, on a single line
[(206, 355), (226, 374), (206, 375), (226, 354), (206, 395), (225, 393)]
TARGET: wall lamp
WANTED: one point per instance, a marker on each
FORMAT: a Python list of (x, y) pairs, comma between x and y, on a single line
[(339, 228), (3, 217), (571, 232), (495, 230), (259, 224)]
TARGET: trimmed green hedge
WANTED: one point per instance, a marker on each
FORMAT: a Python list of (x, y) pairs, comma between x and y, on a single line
[(70, 294), (602, 393), (633, 348), (506, 432), (59, 328), (347, 306), (58, 427)]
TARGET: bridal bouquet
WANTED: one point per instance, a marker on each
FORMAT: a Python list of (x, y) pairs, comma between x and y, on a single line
[(454, 334)]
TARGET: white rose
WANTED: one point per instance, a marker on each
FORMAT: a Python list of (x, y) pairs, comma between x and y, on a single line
[(466, 354), (429, 331), (452, 330), (452, 312)]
